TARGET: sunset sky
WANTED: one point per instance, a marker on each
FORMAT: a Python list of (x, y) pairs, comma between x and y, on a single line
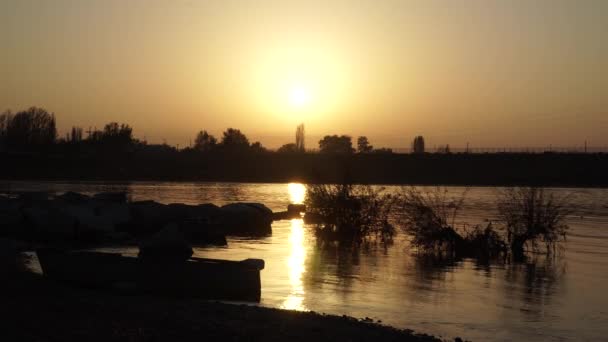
[(491, 73)]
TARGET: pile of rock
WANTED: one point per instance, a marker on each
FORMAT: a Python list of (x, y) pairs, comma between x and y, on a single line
[(109, 216)]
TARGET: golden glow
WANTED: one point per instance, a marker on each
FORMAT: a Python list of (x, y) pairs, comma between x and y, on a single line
[(297, 193), (296, 268), (299, 96)]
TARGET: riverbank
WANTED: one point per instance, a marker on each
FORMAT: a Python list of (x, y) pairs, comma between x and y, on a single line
[(36, 309), (492, 169)]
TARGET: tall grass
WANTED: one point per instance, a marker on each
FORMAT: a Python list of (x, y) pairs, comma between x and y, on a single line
[(533, 217), (350, 212), (430, 217)]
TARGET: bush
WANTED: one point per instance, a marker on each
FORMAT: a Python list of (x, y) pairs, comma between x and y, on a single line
[(531, 216), (429, 217), (350, 212)]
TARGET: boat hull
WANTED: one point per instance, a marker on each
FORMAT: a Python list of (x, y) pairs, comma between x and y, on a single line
[(198, 278)]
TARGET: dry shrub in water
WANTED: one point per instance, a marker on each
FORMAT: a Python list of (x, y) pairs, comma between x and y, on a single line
[(429, 217), (531, 215), (350, 212)]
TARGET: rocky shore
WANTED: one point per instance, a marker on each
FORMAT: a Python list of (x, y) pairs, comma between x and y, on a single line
[(112, 218), (36, 309)]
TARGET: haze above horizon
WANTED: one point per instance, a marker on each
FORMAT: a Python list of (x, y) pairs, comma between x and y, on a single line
[(491, 73)]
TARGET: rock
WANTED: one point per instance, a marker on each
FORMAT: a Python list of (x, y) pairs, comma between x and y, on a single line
[(34, 196), (147, 217), (98, 218), (285, 215), (119, 197), (296, 208), (11, 218), (247, 219), (203, 233), (73, 197), (9, 256), (167, 245), (49, 223)]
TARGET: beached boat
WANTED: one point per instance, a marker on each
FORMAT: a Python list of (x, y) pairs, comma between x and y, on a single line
[(196, 277)]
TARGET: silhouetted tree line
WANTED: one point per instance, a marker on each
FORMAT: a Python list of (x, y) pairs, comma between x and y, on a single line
[(31, 148), (28, 128)]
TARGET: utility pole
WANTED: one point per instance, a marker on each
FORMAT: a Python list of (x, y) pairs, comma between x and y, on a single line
[(585, 146)]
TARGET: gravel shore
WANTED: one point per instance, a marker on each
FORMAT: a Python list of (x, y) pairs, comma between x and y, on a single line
[(36, 309)]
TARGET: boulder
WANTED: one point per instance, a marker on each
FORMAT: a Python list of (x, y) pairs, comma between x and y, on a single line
[(247, 219), (9, 255), (167, 245), (11, 218), (33, 196), (45, 222), (118, 197), (102, 218), (296, 208), (72, 197), (203, 233), (147, 217)]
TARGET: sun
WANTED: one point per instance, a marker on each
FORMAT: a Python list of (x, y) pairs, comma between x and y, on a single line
[(299, 96)]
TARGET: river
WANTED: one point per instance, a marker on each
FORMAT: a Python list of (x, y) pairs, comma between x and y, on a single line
[(558, 298)]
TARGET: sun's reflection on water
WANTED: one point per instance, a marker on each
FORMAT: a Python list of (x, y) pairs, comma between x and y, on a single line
[(297, 193), (296, 268)]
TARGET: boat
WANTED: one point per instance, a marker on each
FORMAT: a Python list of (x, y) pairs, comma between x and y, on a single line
[(194, 278)]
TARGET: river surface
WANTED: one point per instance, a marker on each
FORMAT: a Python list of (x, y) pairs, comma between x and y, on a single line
[(564, 297)]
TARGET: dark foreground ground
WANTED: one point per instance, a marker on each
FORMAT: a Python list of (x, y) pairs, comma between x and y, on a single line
[(35, 309)]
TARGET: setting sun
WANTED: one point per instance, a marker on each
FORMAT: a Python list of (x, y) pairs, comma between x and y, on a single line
[(299, 97)]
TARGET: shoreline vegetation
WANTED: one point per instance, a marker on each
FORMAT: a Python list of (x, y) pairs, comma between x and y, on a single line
[(528, 219), (30, 149)]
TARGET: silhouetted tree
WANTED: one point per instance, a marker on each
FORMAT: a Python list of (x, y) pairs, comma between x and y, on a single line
[(34, 126), (117, 134), (336, 144), (235, 140), (300, 138), (257, 147), (363, 145), (75, 135), (288, 148), (418, 144), (204, 142), (5, 118)]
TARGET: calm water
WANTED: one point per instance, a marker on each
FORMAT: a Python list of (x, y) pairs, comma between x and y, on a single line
[(562, 298)]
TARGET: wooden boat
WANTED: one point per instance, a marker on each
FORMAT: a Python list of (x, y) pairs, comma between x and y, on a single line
[(196, 277)]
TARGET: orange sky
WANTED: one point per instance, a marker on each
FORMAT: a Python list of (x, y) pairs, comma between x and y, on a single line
[(491, 73)]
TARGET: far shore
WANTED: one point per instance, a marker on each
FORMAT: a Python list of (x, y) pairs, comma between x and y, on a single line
[(459, 169), (37, 309)]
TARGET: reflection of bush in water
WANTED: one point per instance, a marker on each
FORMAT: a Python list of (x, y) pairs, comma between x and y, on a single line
[(350, 212), (343, 262), (537, 282)]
